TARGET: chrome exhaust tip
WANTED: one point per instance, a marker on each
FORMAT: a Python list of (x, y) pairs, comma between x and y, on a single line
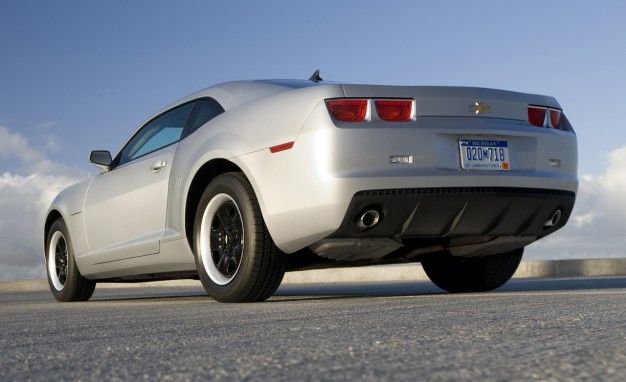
[(368, 219), (554, 219)]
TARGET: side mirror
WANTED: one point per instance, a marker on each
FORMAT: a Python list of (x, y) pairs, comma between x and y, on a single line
[(101, 159)]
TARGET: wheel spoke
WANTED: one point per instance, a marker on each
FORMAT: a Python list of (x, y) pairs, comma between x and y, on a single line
[(60, 258), (237, 250), (236, 262), (62, 276), (231, 266), (223, 216), (222, 265), (215, 236)]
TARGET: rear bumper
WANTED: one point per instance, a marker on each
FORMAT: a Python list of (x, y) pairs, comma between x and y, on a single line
[(457, 212), (307, 193), (465, 221)]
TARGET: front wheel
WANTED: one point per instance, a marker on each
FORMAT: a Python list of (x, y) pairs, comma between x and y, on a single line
[(472, 274), (66, 282), (236, 258)]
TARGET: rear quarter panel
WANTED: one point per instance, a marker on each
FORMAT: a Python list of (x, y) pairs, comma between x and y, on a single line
[(248, 128)]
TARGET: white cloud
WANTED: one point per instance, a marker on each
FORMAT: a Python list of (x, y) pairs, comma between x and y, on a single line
[(597, 226), (14, 145), (52, 143), (25, 194), (23, 202)]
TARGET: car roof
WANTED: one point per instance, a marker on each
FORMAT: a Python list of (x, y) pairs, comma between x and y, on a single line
[(234, 93)]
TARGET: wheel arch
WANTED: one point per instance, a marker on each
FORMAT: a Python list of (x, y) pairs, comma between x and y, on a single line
[(52, 216), (201, 179)]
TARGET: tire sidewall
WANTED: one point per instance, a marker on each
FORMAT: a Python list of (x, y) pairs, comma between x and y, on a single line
[(230, 185)]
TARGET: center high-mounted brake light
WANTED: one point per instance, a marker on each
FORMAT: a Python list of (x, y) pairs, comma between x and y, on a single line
[(347, 110), (397, 110)]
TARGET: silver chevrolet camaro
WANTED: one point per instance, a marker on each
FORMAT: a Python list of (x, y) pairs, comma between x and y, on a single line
[(242, 181)]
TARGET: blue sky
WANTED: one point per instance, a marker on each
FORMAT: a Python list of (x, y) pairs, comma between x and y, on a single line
[(95, 71), (76, 76)]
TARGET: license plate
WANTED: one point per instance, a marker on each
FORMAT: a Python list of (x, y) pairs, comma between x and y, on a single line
[(484, 154)]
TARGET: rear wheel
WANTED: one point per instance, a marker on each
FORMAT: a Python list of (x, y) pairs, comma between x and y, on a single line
[(236, 258), (472, 274), (66, 282)]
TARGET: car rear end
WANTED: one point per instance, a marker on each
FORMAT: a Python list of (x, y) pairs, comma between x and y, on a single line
[(468, 170), (513, 130)]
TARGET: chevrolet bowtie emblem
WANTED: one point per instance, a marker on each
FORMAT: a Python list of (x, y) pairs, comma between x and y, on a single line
[(479, 108)]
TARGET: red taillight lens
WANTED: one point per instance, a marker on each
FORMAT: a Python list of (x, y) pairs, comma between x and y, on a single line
[(555, 118), (536, 115), (347, 110), (394, 110)]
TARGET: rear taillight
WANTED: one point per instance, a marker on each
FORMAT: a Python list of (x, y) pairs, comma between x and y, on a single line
[(555, 118), (537, 115), (347, 110), (356, 110), (394, 110), (543, 116)]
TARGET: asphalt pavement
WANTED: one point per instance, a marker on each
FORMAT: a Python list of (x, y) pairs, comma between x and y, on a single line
[(556, 329)]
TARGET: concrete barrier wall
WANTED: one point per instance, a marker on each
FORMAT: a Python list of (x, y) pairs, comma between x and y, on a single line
[(414, 272), (382, 273), (572, 268)]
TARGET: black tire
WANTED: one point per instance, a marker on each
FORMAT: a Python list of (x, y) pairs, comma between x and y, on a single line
[(261, 265), (472, 274), (65, 281)]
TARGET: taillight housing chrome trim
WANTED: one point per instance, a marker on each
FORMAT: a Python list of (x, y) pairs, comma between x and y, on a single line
[(554, 118)]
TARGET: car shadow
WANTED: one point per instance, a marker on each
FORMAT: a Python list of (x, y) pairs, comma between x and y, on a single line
[(334, 291), (421, 288)]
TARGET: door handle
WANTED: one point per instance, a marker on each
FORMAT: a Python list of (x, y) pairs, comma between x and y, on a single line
[(158, 166)]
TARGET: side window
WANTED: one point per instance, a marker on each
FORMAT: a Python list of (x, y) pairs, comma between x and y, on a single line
[(206, 109), (158, 133)]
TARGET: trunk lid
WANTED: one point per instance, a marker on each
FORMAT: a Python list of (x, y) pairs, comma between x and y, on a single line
[(453, 101)]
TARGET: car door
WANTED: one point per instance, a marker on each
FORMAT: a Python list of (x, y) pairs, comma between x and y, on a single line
[(125, 208)]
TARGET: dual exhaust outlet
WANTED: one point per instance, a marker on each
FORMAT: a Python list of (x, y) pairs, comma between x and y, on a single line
[(553, 220), (367, 219), (370, 217)]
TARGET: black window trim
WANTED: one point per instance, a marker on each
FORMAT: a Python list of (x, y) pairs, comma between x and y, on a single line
[(116, 161), (187, 129)]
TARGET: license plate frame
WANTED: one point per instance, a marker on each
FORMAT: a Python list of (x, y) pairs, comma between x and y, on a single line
[(484, 154)]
